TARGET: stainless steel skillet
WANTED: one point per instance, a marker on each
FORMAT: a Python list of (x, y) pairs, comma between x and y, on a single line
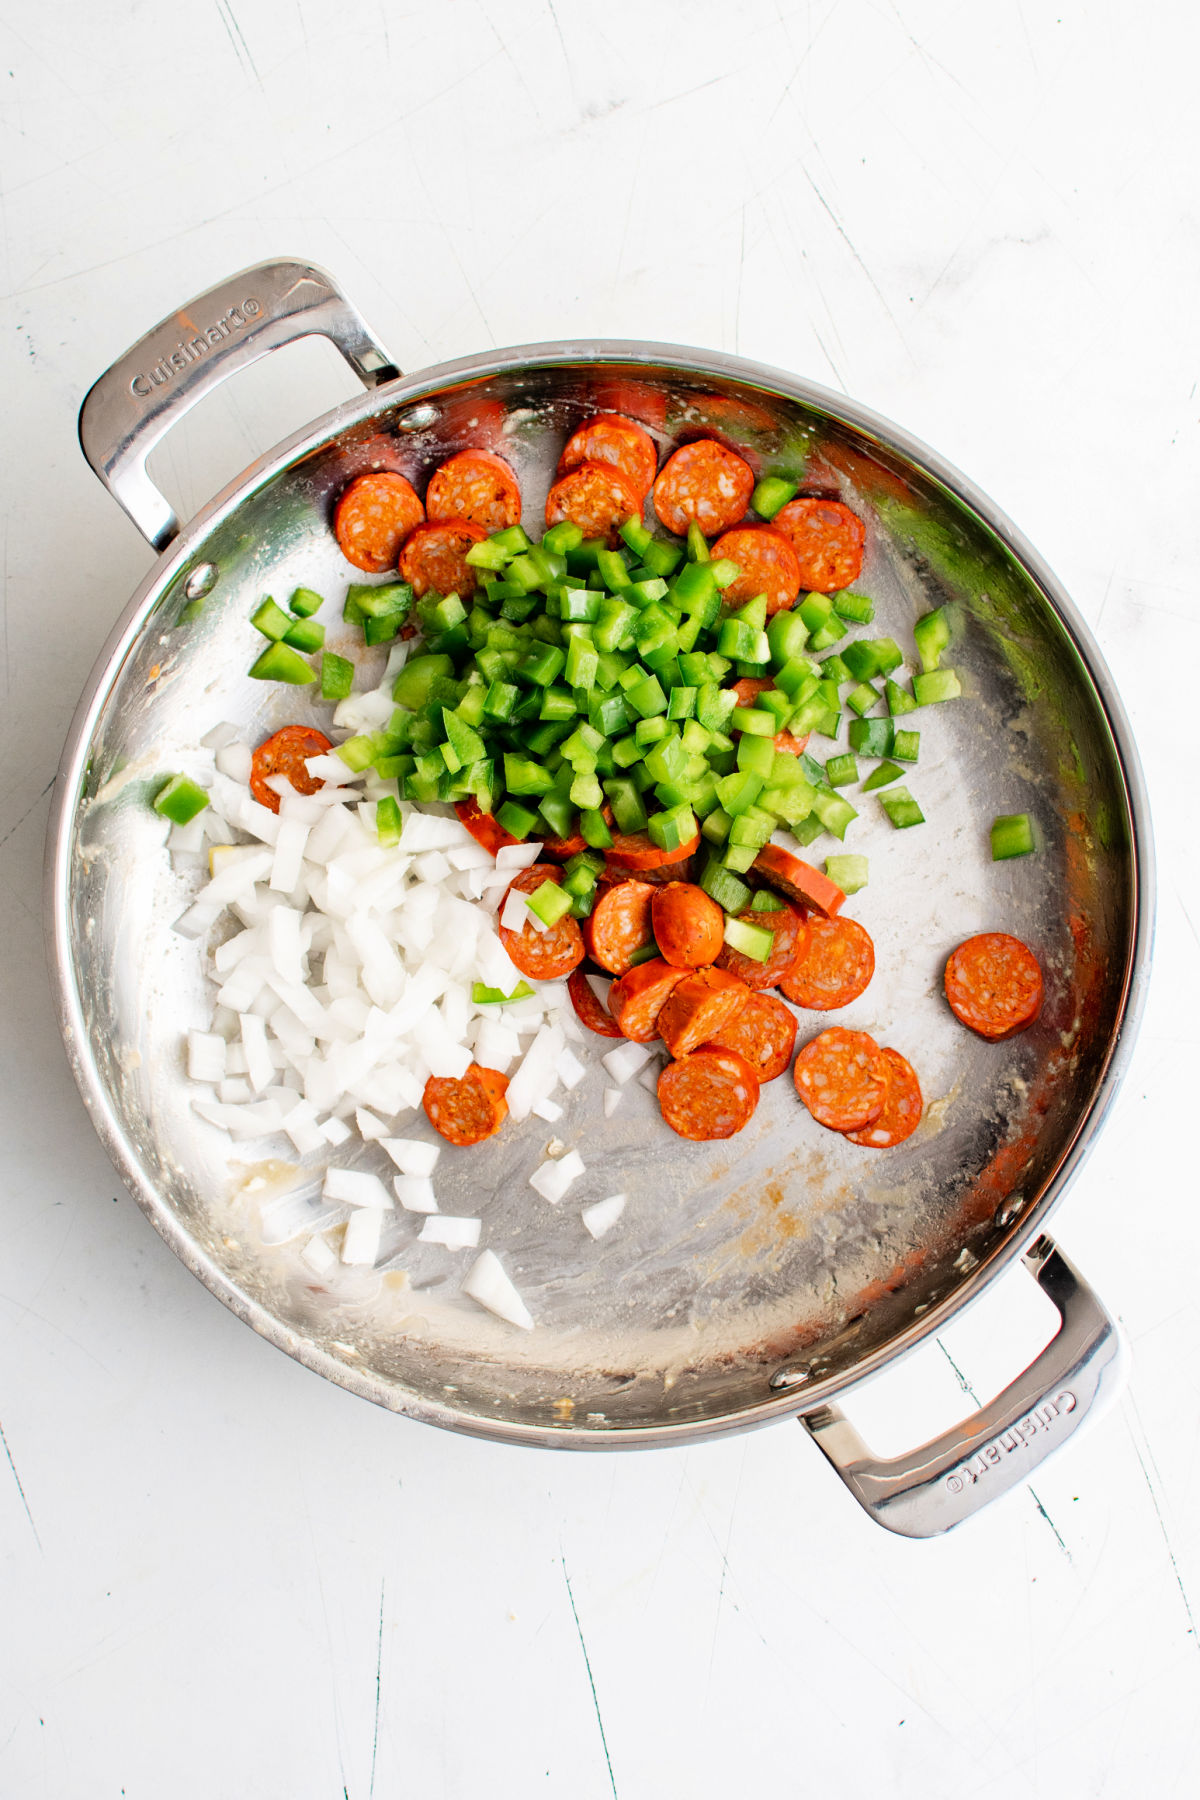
[(751, 1280)]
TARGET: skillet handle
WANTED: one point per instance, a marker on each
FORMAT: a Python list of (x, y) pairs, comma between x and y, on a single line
[(137, 401), (938, 1485)]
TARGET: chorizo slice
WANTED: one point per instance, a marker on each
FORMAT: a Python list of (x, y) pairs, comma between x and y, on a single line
[(542, 955), (611, 438), (434, 557), (710, 1094), (705, 484), (284, 753), (618, 926), (768, 566), (595, 496), (689, 926), (373, 517), (842, 1078), (698, 1007), (637, 999), (798, 880), (589, 1008), (475, 485), (902, 1109), (485, 829), (562, 848), (787, 925), (636, 853), (828, 541), (467, 1109), (764, 1033), (833, 964), (994, 985)]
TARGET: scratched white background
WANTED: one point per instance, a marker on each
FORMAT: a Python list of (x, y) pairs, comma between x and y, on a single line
[(222, 1576)]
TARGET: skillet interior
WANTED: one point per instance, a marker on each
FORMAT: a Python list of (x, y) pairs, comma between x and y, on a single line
[(784, 1245)]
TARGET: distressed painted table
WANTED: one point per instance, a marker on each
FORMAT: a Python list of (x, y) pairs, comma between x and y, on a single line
[(222, 1576)]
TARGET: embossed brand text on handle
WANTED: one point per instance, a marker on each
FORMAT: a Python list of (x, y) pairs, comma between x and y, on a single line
[(195, 349), (1017, 1437)]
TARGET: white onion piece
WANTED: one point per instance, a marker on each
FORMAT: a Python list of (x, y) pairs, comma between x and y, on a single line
[(604, 1214), (233, 1090), (235, 760), (553, 1179), (570, 1070), (535, 1077), (487, 1283), (301, 1126), (412, 1156), (495, 1045), (517, 857), (187, 840), (601, 986), (289, 854), (415, 1193), (648, 1077), (549, 1110), (356, 1187), (331, 769), (318, 1255), (514, 914), (364, 712), (259, 1066), (368, 1125), (335, 1131), (364, 1229), (454, 1233), (612, 1099), (206, 1056), (625, 1061), (220, 736)]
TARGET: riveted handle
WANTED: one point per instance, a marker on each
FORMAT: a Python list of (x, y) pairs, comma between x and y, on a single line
[(935, 1487), (135, 403)]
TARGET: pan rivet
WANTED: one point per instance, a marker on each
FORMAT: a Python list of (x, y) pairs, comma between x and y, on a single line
[(788, 1378), (417, 418), (201, 581)]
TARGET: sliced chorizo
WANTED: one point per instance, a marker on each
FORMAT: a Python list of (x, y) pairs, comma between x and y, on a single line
[(611, 438), (485, 829), (542, 955), (285, 753), (705, 484), (467, 1109), (799, 881), (994, 985), (710, 1094), (828, 541), (833, 964), (764, 1032), (842, 1078), (698, 1007), (636, 853), (373, 517), (475, 485), (434, 557), (902, 1108), (689, 926), (637, 999), (768, 566), (597, 497), (589, 1008), (786, 924), (619, 925)]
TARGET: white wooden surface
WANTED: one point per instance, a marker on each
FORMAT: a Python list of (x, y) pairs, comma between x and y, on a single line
[(222, 1576)]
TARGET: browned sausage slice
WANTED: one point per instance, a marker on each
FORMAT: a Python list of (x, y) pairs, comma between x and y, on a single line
[(710, 1094), (787, 925), (689, 927), (469, 1109), (768, 566), (595, 496), (619, 925), (434, 557), (902, 1108), (636, 853), (588, 1009), (374, 516), (475, 485), (764, 1032), (611, 438), (542, 955), (637, 999), (833, 964), (842, 1078), (698, 1008), (828, 541), (994, 984), (703, 483), (779, 869)]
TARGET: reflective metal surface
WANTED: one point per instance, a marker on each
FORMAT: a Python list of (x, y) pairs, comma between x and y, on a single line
[(746, 1278)]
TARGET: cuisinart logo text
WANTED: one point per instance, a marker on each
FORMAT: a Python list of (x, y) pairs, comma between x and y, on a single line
[(1017, 1437), (195, 349)]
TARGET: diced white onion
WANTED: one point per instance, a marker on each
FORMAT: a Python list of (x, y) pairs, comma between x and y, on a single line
[(289, 854), (553, 1179), (318, 1255), (235, 760), (415, 1193), (488, 1284), (259, 1066), (612, 1099), (535, 1077), (549, 1110), (206, 1056), (625, 1061), (570, 1070), (412, 1156), (368, 1125), (454, 1233), (360, 1242), (356, 1187), (220, 735), (514, 913), (495, 1045), (604, 1214), (335, 1131)]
